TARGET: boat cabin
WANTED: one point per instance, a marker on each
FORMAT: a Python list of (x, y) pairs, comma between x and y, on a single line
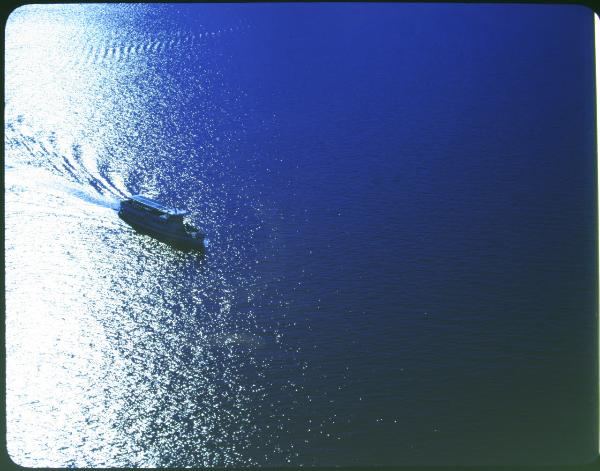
[(150, 206)]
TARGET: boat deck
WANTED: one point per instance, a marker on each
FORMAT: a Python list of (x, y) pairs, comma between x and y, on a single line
[(156, 205)]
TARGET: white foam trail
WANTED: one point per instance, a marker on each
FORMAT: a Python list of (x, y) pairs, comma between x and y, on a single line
[(46, 183), (117, 182), (110, 202), (90, 164)]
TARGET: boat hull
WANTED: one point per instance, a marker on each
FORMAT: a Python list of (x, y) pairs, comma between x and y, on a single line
[(179, 241)]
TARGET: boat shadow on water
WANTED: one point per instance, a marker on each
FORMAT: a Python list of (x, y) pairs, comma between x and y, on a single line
[(178, 246)]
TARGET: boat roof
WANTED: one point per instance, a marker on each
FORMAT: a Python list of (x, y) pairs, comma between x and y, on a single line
[(156, 205)]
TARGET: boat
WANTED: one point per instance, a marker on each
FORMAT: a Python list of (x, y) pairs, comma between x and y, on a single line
[(166, 224)]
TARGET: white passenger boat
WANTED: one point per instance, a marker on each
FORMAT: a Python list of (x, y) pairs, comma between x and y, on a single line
[(166, 224)]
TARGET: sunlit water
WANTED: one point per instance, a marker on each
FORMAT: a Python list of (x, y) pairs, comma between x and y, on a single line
[(401, 233)]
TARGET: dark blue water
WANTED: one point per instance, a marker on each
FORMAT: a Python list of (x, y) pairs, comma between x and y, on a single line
[(400, 202)]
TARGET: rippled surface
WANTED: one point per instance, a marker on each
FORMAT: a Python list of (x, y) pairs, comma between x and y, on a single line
[(398, 266), (121, 350)]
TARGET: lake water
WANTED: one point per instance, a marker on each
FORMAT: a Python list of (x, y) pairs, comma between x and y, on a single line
[(400, 205)]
